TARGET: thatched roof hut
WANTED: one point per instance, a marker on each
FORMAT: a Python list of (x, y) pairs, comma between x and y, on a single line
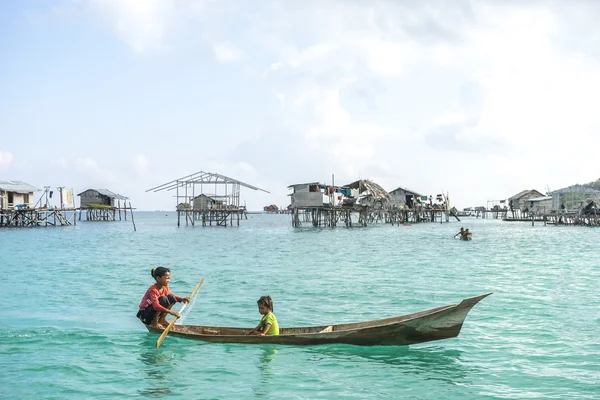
[(370, 193), (364, 185)]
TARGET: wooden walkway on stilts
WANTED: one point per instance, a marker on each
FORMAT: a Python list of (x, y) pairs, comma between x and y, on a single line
[(217, 217), (572, 218), (330, 216), (558, 218), (35, 217), (105, 214)]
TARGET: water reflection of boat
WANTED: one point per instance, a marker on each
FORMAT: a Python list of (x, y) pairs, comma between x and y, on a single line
[(157, 377), (434, 324)]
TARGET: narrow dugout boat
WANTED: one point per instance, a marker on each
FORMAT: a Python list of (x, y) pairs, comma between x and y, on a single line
[(434, 324)]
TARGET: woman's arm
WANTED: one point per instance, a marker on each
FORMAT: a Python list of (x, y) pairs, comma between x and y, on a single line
[(159, 308), (156, 304)]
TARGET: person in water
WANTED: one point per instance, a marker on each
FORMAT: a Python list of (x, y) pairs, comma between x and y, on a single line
[(461, 233), (268, 323), (158, 300), (466, 235)]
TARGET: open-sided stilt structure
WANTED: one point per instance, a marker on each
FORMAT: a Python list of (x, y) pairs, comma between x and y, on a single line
[(208, 198)]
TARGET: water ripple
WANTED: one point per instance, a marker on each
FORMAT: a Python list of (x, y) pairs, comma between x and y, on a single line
[(69, 328)]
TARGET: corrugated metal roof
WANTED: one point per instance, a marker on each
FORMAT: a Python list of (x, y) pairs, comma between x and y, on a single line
[(540, 198), (523, 193), (405, 189), (310, 183), (207, 196), (107, 193), (110, 194), (519, 195), (17, 186)]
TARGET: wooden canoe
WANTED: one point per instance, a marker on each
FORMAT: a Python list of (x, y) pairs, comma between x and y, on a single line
[(434, 324)]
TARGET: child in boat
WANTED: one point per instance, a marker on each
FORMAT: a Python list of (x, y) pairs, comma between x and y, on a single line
[(158, 300), (268, 323)]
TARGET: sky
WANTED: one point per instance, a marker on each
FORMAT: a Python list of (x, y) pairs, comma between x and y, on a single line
[(476, 99)]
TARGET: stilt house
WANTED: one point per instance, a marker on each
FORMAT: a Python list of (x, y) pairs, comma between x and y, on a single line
[(520, 201), (370, 194), (92, 198), (540, 205), (16, 195), (401, 196), (204, 202), (314, 194)]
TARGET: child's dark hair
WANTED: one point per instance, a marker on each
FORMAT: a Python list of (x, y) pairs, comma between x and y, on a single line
[(159, 271), (266, 301)]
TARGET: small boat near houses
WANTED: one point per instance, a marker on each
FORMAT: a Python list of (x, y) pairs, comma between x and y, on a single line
[(464, 214), (424, 326)]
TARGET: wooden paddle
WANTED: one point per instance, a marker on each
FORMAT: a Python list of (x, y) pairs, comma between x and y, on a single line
[(168, 328)]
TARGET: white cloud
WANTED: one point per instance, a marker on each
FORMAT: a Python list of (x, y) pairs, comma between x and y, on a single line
[(86, 164), (226, 52), (60, 162), (5, 160), (140, 164), (389, 59), (91, 172), (531, 98), (142, 24), (246, 167), (273, 67), (393, 89)]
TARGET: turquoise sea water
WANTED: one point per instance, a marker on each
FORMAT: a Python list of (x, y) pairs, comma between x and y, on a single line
[(70, 295)]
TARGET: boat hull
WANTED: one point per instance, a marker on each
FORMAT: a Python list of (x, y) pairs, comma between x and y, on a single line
[(434, 324)]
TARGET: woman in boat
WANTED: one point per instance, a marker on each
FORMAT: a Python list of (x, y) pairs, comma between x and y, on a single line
[(268, 323), (158, 300)]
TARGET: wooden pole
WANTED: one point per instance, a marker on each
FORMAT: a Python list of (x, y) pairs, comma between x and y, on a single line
[(164, 334), (130, 209)]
